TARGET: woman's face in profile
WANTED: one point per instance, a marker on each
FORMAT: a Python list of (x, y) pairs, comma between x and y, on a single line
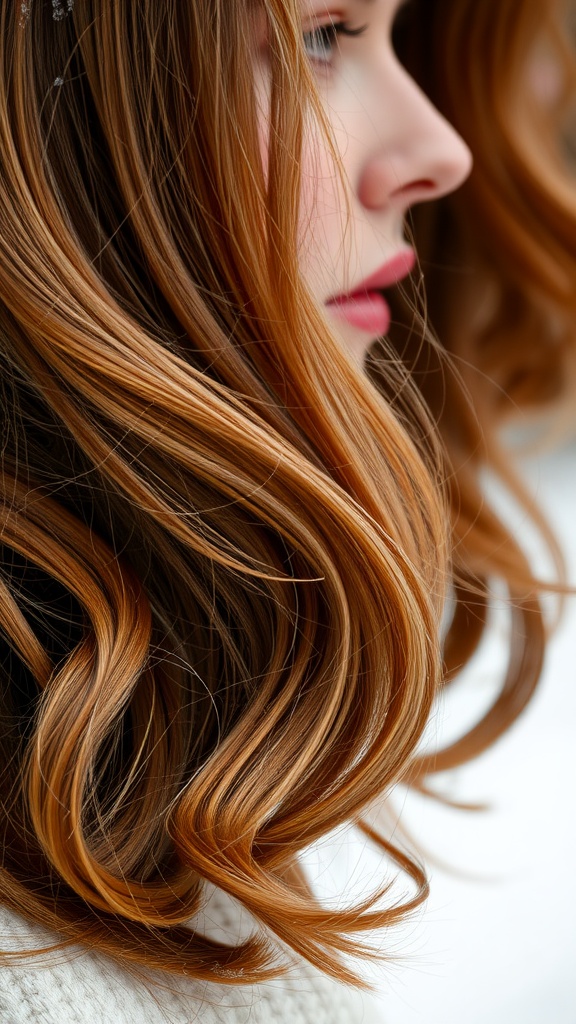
[(395, 148)]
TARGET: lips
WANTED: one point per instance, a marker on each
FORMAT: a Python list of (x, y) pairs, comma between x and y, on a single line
[(365, 307)]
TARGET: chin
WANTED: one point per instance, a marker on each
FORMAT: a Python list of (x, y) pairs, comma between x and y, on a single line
[(357, 343)]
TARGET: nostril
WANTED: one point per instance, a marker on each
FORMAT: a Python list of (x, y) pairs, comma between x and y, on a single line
[(421, 188)]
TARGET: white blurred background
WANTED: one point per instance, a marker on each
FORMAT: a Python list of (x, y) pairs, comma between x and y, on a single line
[(496, 941)]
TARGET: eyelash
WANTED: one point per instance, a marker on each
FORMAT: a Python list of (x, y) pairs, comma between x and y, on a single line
[(327, 37)]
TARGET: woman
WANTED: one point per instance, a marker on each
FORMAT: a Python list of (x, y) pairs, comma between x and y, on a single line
[(233, 518)]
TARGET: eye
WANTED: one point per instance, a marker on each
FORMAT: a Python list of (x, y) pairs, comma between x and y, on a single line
[(322, 42)]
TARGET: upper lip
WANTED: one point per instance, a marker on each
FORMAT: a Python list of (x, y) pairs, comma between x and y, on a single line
[(389, 273)]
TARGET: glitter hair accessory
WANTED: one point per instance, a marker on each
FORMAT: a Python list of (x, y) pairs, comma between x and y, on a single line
[(60, 9)]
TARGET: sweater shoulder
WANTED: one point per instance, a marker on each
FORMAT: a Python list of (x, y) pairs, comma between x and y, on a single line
[(74, 985)]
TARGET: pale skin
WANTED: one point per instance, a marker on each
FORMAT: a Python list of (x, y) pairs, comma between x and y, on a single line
[(395, 148)]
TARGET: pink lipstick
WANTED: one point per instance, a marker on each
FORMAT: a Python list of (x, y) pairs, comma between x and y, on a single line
[(365, 307)]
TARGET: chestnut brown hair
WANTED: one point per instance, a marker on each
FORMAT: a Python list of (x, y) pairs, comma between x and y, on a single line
[(225, 550)]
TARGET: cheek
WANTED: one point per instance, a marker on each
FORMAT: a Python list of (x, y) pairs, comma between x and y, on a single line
[(322, 220), (323, 230), (263, 145), (262, 93)]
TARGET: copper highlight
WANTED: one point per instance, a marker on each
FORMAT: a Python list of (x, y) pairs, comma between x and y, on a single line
[(225, 550)]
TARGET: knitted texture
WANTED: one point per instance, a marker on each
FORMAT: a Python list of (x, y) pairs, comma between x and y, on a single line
[(84, 987)]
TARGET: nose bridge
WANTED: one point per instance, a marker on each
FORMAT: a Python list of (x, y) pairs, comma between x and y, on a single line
[(415, 153)]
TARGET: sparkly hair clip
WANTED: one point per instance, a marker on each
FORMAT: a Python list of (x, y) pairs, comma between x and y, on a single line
[(60, 8)]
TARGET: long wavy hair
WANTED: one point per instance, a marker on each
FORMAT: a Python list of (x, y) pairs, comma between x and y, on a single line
[(226, 550)]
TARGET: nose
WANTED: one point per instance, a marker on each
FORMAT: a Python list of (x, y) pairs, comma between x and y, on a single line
[(416, 154)]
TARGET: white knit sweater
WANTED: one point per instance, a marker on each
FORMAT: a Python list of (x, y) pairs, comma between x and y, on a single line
[(84, 987)]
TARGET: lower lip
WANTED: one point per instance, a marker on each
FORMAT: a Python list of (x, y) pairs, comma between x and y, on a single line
[(367, 311)]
